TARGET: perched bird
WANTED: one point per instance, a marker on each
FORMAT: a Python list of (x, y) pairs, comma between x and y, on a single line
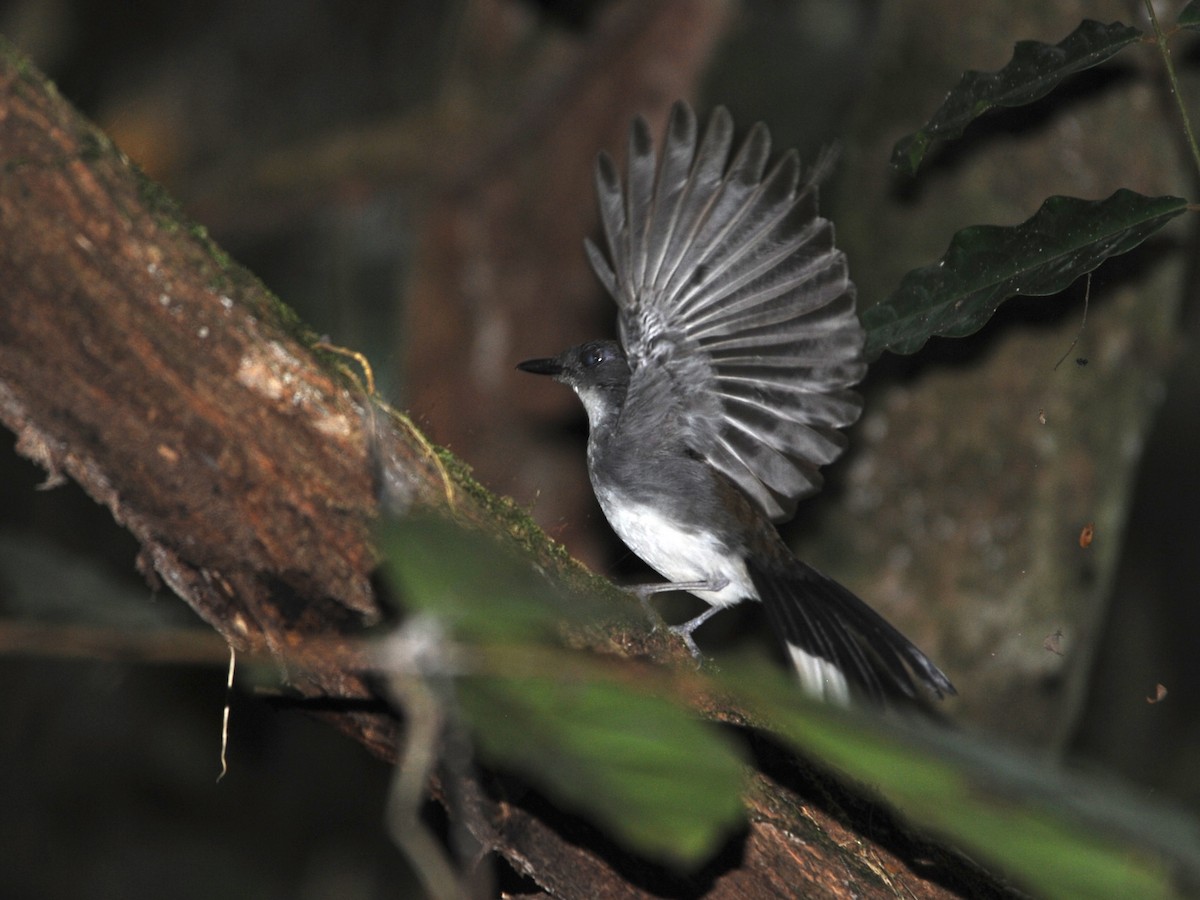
[(710, 419)]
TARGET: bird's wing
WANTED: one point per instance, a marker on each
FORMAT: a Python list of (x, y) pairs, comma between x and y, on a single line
[(736, 311)]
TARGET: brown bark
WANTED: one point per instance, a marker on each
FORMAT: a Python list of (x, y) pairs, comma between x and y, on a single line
[(138, 360)]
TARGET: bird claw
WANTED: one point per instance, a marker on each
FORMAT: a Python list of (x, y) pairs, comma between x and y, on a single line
[(640, 591), (684, 633)]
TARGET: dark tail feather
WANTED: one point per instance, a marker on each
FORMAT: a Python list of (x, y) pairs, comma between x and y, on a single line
[(828, 624)]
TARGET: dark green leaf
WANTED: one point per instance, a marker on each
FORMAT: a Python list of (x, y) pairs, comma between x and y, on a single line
[(1034, 70), (478, 588), (643, 768), (986, 264), (1190, 17), (1058, 834)]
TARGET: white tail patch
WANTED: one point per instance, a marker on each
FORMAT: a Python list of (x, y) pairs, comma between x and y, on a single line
[(820, 678)]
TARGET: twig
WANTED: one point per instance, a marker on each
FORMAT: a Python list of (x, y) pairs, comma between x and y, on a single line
[(225, 713), (1087, 292), (1165, 51)]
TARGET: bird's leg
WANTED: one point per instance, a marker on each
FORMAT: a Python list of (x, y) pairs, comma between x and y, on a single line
[(684, 630), (644, 592)]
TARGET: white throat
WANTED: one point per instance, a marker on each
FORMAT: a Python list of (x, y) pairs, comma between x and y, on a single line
[(594, 404)]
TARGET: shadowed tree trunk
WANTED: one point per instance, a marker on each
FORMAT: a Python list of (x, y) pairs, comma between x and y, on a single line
[(978, 465)]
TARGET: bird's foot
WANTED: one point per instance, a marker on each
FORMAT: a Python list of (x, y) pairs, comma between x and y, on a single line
[(644, 592), (683, 631)]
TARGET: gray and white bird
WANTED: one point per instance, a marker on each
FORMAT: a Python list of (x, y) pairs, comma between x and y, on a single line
[(739, 344)]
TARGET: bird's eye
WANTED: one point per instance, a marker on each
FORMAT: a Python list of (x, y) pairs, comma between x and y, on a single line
[(594, 357)]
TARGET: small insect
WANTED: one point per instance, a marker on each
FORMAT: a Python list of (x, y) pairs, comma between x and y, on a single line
[(1053, 643), (1086, 535)]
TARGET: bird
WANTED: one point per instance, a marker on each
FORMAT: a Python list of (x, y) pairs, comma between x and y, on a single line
[(711, 416)]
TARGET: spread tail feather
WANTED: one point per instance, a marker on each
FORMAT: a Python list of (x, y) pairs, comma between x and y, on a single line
[(836, 641)]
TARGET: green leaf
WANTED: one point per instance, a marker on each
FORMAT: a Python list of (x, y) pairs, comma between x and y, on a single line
[(477, 587), (1034, 71), (644, 769), (581, 729), (1190, 17), (1056, 833), (986, 264)]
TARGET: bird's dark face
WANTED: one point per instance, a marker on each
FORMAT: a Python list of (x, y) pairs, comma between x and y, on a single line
[(596, 364), (597, 370)]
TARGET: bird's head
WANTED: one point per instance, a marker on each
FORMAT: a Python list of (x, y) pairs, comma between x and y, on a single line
[(597, 370)]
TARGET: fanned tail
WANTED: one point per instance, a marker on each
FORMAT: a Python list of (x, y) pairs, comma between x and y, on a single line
[(838, 644)]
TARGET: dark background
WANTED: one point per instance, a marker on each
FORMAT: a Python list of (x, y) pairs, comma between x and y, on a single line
[(336, 150)]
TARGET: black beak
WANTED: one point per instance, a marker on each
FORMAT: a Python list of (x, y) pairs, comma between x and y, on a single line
[(541, 366)]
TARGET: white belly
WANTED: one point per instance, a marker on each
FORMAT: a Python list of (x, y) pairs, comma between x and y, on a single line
[(679, 554)]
